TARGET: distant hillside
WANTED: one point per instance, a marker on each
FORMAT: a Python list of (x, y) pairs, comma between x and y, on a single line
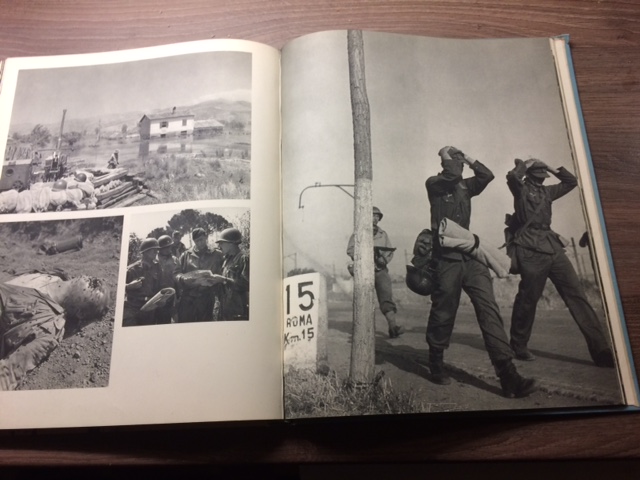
[(220, 109)]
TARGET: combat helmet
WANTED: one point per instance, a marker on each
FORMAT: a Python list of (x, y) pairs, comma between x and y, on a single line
[(420, 281), (148, 244), (231, 235), (376, 210), (59, 185), (165, 241)]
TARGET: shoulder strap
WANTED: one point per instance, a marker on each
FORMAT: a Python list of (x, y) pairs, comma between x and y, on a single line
[(529, 220)]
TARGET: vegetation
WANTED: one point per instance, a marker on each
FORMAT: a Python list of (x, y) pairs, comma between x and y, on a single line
[(299, 271), (178, 178), (187, 220), (40, 136), (311, 395)]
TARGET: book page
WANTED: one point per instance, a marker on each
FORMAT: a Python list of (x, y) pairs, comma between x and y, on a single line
[(593, 211), (140, 230), (467, 335)]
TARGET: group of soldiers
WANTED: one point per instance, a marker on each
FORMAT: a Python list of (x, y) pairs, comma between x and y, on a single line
[(538, 252), (203, 284)]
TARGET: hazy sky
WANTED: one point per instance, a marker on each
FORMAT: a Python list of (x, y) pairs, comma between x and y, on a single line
[(89, 91), (494, 99)]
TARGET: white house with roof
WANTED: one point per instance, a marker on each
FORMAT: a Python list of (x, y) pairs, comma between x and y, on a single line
[(166, 125)]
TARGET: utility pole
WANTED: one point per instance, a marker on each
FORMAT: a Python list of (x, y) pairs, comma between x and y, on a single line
[(59, 144), (363, 344)]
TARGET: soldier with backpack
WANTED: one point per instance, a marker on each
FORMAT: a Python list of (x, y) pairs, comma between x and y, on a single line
[(450, 197), (538, 254)]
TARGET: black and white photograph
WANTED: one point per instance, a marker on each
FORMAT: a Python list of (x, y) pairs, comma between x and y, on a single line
[(57, 302), (187, 266), (486, 295), (134, 133)]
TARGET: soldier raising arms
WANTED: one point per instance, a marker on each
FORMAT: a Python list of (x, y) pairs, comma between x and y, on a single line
[(540, 255), (450, 197)]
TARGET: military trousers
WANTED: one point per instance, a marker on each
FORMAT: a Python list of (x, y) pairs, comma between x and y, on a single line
[(473, 278), (199, 308), (535, 268), (384, 291)]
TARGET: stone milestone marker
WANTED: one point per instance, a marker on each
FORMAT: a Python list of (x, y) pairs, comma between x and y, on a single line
[(305, 322)]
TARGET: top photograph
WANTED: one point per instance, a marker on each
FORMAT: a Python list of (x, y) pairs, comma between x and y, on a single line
[(134, 133)]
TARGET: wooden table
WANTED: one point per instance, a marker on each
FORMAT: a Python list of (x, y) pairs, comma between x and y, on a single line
[(605, 39)]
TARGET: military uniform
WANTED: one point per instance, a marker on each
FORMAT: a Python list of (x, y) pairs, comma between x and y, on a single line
[(168, 266), (178, 248), (135, 299), (450, 197), (234, 302), (197, 303), (382, 279), (540, 254)]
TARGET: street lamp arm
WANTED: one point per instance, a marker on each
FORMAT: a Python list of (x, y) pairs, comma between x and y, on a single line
[(318, 184)]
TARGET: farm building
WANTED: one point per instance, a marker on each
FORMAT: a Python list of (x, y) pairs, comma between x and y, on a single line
[(166, 125), (207, 128)]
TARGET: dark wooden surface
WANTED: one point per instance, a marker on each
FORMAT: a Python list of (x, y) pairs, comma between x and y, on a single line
[(605, 39)]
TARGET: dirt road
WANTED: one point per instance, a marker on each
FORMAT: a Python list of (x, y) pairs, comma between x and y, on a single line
[(563, 368)]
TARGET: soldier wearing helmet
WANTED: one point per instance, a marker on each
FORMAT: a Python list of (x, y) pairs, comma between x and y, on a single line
[(198, 302), (168, 265), (539, 253), (450, 197), (383, 253), (234, 304), (142, 283)]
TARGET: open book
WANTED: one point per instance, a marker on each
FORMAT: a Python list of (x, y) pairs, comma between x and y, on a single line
[(138, 186)]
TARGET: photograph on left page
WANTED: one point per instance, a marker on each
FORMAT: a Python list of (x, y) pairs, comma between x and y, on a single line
[(186, 266), (57, 300), (133, 133)]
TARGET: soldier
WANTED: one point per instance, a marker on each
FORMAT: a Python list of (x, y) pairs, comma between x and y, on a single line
[(114, 160), (178, 248), (234, 302), (143, 282), (383, 253), (540, 255), (168, 265), (450, 197), (197, 301)]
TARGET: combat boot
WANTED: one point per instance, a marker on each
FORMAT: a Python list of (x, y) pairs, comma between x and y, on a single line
[(436, 366), (604, 359), (512, 383), (522, 352)]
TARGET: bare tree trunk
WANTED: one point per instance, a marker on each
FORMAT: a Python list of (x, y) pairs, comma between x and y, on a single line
[(363, 345)]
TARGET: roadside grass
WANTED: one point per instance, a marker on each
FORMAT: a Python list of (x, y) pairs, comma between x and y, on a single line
[(308, 394), (178, 178)]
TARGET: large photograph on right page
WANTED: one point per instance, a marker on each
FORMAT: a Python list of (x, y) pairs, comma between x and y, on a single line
[(487, 296)]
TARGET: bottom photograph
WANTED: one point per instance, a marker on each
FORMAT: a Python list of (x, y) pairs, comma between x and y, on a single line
[(57, 302), (188, 266)]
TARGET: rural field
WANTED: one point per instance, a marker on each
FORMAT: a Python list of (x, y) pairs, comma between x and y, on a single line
[(84, 355)]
